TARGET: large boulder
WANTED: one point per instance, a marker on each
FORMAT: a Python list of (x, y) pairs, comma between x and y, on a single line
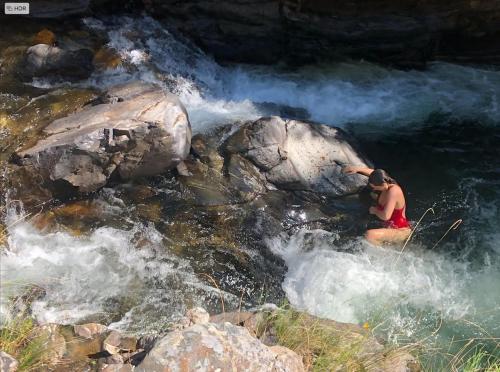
[(217, 347), (405, 33), (295, 155), (139, 130), (44, 60)]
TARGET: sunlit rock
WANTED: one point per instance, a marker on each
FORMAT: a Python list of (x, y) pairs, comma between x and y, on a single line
[(116, 342), (220, 346), (106, 58), (7, 362), (89, 330), (140, 130), (295, 155)]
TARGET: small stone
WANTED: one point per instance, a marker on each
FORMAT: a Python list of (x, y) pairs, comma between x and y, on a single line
[(107, 58), (116, 342), (198, 315), (45, 37), (7, 362), (89, 330)]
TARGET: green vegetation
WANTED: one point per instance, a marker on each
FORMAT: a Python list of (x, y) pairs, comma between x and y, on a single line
[(480, 361), (22, 338), (323, 345)]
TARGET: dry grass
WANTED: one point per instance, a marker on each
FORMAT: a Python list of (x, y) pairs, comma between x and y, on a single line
[(322, 345), (20, 337)]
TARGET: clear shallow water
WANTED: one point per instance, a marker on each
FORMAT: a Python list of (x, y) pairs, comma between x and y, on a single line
[(435, 130)]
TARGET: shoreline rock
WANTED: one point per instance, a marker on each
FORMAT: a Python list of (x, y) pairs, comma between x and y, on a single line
[(139, 130), (241, 341)]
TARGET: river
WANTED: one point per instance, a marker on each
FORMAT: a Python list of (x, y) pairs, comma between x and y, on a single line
[(436, 131)]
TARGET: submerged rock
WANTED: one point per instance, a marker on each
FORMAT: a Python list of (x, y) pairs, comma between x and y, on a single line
[(47, 60), (139, 130), (295, 155)]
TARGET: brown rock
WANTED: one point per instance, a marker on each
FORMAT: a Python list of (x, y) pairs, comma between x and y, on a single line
[(116, 342), (80, 158), (89, 330), (45, 37), (106, 58), (56, 343)]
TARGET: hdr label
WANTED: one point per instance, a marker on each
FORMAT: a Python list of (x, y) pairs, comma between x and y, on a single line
[(17, 8)]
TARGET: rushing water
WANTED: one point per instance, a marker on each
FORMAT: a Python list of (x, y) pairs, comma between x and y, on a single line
[(437, 131)]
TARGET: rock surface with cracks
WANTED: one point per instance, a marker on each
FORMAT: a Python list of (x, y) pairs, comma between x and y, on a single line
[(138, 130), (296, 155)]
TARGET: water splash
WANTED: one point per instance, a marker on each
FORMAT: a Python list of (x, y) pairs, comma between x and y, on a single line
[(336, 94), (102, 277)]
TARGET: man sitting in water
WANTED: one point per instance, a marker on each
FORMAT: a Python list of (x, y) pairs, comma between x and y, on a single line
[(390, 206)]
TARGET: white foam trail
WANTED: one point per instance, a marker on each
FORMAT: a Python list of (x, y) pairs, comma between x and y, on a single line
[(84, 276), (336, 94), (355, 286)]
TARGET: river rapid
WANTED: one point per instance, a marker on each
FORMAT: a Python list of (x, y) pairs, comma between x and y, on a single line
[(436, 131)]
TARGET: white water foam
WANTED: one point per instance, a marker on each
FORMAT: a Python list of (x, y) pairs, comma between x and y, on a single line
[(336, 94), (358, 282), (87, 276)]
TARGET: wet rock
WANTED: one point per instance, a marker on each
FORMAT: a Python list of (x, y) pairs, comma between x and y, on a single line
[(45, 37), (56, 343), (47, 60), (89, 330), (406, 34), (216, 347), (80, 346), (206, 186), (140, 130), (116, 342), (294, 155), (246, 177), (7, 362), (106, 58)]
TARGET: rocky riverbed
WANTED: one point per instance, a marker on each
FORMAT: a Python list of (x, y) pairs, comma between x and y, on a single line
[(142, 179)]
